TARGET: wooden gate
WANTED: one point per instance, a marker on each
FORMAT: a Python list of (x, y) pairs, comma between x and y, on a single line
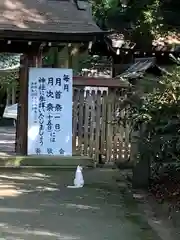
[(95, 131)]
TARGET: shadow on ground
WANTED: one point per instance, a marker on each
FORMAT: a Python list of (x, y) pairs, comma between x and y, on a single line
[(38, 205), (7, 141)]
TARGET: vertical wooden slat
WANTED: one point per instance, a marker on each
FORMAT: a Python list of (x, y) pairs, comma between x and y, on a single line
[(121, 129), (80, 122), (86, 123), (109, 126), (98, 119), (126, 136), (75, 118), (92, 122), (125, 130), (116, 152), (116, 126), (103, 124), (113, 125)]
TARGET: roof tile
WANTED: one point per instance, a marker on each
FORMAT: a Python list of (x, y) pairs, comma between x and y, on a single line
[(45, 16)]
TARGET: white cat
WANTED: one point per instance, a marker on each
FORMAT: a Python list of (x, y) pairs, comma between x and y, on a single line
[(78, 180)]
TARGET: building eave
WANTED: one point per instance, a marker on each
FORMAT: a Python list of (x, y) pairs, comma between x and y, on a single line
[(53, 37)]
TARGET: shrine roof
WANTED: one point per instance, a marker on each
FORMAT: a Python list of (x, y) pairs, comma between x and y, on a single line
[(44, 17), (139, 68)]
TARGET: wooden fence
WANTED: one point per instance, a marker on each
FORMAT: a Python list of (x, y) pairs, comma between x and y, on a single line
[(95, 130)]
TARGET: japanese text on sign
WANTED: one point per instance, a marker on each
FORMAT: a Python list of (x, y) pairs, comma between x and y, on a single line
[(50, 111)]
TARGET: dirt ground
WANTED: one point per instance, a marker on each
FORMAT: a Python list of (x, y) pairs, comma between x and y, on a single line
[(36, 204)]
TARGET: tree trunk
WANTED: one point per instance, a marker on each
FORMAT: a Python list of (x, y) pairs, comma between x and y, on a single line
[(141, 174), (141, 171)]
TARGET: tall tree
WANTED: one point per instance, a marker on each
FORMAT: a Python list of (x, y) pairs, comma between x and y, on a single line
[(142, 20)]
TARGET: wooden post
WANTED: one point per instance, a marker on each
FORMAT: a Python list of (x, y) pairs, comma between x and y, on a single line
[(13, 95), (56, 57), (21, 126), (68, 62), (8, 98), (113, 70), (39, 58), (27, 60)]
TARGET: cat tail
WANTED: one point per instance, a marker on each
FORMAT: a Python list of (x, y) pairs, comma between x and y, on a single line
[(75, 186)]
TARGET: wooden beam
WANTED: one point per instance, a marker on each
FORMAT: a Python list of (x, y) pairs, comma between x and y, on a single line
[(50, 37), (21, 46), (99, 82)]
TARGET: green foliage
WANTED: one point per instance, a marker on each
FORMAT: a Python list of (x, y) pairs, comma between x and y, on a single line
[(8, 76), (158, 120), (104, 10), (145, 18), (8, 60)]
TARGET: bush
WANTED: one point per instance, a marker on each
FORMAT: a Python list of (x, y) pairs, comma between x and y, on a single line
[(157, 117)]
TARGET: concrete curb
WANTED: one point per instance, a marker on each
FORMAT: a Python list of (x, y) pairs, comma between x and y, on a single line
[(45, 162)]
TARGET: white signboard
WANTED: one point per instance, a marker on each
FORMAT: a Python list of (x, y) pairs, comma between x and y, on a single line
[(50, 111)]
